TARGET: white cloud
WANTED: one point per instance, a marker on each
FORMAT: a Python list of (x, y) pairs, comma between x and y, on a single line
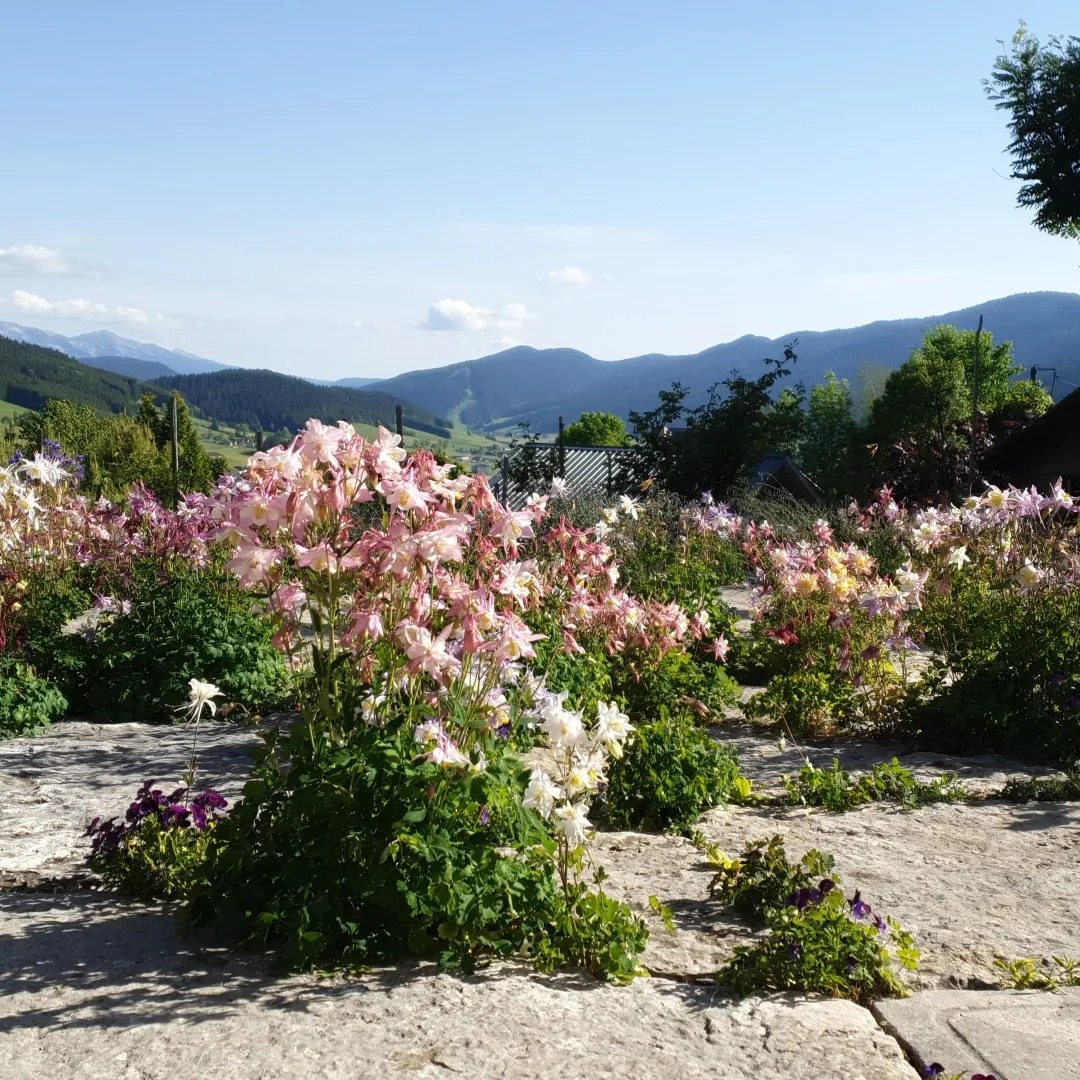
[(28, 303), (365, 325), (566, 275), (463, 317), (33, 260)]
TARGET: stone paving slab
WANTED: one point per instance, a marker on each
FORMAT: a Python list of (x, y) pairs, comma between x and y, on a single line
[(1014, 1034), (51, 785), (90, 987), (969, 881)]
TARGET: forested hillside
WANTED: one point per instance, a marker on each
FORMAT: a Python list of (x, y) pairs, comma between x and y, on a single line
[(268, 401), (30, 375)]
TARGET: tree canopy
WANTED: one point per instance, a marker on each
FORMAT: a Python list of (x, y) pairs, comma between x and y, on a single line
[(597, 429), (1039, 85)]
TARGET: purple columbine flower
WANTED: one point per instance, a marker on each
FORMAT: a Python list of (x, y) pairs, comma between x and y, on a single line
[(935, 1068), (485, 816), (826, 886), (794, 952)]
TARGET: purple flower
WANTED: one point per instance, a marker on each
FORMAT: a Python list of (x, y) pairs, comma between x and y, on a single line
[(860, 909), (933, 1069), (485, 815), (826, 886), (794, 951), (804, 898)]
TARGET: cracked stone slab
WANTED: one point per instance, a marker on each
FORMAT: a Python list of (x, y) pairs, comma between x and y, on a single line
[(678, 875), (52, 785), (91, 987), (1014, 1034), (971, 882)]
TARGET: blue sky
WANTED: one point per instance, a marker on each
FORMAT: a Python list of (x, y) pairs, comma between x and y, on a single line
[(357, 189)]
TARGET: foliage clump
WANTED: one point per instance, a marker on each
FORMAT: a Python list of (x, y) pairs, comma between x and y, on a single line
[(818, 940), (836, 789), (669, 774), (28, 702)]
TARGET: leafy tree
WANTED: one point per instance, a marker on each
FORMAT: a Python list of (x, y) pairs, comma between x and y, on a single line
[(1039, 85), (597, 429), (869, 385), (826, 445), (726, 436), (124, 452), (938, 413)]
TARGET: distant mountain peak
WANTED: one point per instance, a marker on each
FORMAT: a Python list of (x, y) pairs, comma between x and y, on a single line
[(104, 344)]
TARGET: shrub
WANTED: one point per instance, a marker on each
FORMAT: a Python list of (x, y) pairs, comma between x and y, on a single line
[(28, 702), (352, 849), (1013, 682), (670, 772), (179, 622), (805, 703)]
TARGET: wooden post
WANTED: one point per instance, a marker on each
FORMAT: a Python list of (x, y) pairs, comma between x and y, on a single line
[(258, 440), (399, 419), (608, 456), (506, 479), (562, 449)]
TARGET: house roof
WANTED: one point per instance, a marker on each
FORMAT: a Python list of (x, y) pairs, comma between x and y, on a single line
[(780, 470), (1059, 419)]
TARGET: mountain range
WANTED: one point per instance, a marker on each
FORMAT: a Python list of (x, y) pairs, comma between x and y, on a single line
[(538, 386)]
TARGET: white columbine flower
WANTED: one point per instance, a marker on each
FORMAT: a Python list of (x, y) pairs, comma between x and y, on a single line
[(200, 696), (609, 514), (559, 488), (958, 557), (629, 507), (1029, 575), (612, 727), (541, 793), (571, 821)]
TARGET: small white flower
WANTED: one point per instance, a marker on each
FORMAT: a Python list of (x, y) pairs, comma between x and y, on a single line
[(629, 507), (559, 488), (958, 558), (1029, 575), (610, 515)]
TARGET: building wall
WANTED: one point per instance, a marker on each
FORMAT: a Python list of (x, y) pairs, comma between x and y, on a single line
[(1059, 456)]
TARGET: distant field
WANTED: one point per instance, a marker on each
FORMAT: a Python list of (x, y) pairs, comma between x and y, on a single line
[(7, 409)]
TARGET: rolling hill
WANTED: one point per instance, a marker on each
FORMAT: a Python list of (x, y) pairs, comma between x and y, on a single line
[(539, 385)]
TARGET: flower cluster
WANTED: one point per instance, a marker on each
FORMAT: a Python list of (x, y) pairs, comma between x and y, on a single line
[(580, 763), (173, 811)]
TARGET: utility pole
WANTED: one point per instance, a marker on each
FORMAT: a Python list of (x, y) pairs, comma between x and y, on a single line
[(976, 377), (175, 440)]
